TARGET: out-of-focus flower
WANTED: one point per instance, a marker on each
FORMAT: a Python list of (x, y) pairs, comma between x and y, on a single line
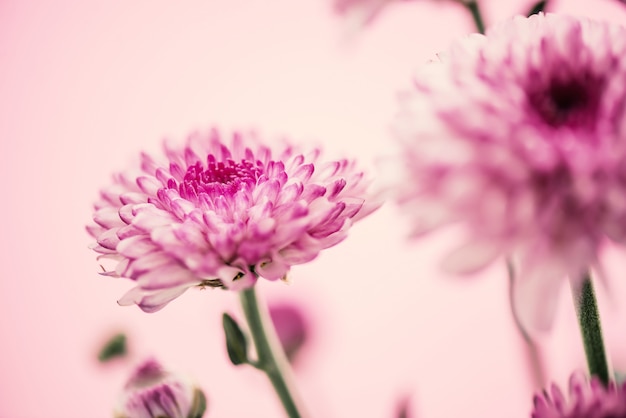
[(292, 327), (520, 136), (221, 213), (587, 399), (363, 12), (154, 393), (404, 409)]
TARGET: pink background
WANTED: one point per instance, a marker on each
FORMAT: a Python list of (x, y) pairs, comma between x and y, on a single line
[(86, 85)]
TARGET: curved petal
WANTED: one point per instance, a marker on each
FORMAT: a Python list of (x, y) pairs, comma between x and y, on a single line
[(471, 257), (272, 270), (535, 295), (151, 300)]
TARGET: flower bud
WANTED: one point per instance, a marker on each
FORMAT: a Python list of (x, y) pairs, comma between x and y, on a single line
[(153, 392)]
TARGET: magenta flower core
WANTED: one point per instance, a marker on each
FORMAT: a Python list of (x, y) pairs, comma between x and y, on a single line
[(154, 393), (519, 136), (587, 399), (221, 214)]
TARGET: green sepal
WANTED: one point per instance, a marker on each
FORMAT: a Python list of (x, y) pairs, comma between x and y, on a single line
[(115, 347), (198, 405), (236, 342), (537, 8)]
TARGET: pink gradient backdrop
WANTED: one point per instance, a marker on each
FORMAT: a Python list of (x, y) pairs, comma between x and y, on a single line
[(85, 85)]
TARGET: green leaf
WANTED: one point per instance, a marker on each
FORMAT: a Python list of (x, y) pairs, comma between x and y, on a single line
[(198, 406), (236, 342), (115, 347)]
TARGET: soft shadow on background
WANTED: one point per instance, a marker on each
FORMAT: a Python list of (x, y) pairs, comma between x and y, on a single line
[(85, 86)]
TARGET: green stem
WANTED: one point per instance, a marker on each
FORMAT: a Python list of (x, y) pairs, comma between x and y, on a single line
[(271, 358), (589, 321), (472, 6)]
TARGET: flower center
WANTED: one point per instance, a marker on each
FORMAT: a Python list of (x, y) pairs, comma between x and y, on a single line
[(569, 101), (219, 178), (566, 98)]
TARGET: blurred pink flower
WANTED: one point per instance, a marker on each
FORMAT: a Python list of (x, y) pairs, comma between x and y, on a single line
[(404, 408), (520, 136), (292, 327), (363, 12), (152, 392), (222, 213), (587, 399)]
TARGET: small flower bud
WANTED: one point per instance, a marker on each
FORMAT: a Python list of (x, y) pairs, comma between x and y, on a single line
[(155, 393)]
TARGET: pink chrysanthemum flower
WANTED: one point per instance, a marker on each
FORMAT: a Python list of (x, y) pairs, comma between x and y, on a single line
[(520, 136), (153, 392), (222, 213), (587, 399)]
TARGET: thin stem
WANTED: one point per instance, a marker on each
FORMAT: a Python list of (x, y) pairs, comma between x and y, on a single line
[(474, 8), (271, 358), (590, 328), (533, 354)]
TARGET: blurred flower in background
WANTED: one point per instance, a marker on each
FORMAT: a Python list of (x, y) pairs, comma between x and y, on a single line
[(587, 399), (363, 12), (222, 211), (404, 409), (155, 393), (292, 327), (520, 136)]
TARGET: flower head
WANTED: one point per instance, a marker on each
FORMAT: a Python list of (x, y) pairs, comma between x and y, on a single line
[(154, 393), (221, 213), (587, 399), (520, 136)]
